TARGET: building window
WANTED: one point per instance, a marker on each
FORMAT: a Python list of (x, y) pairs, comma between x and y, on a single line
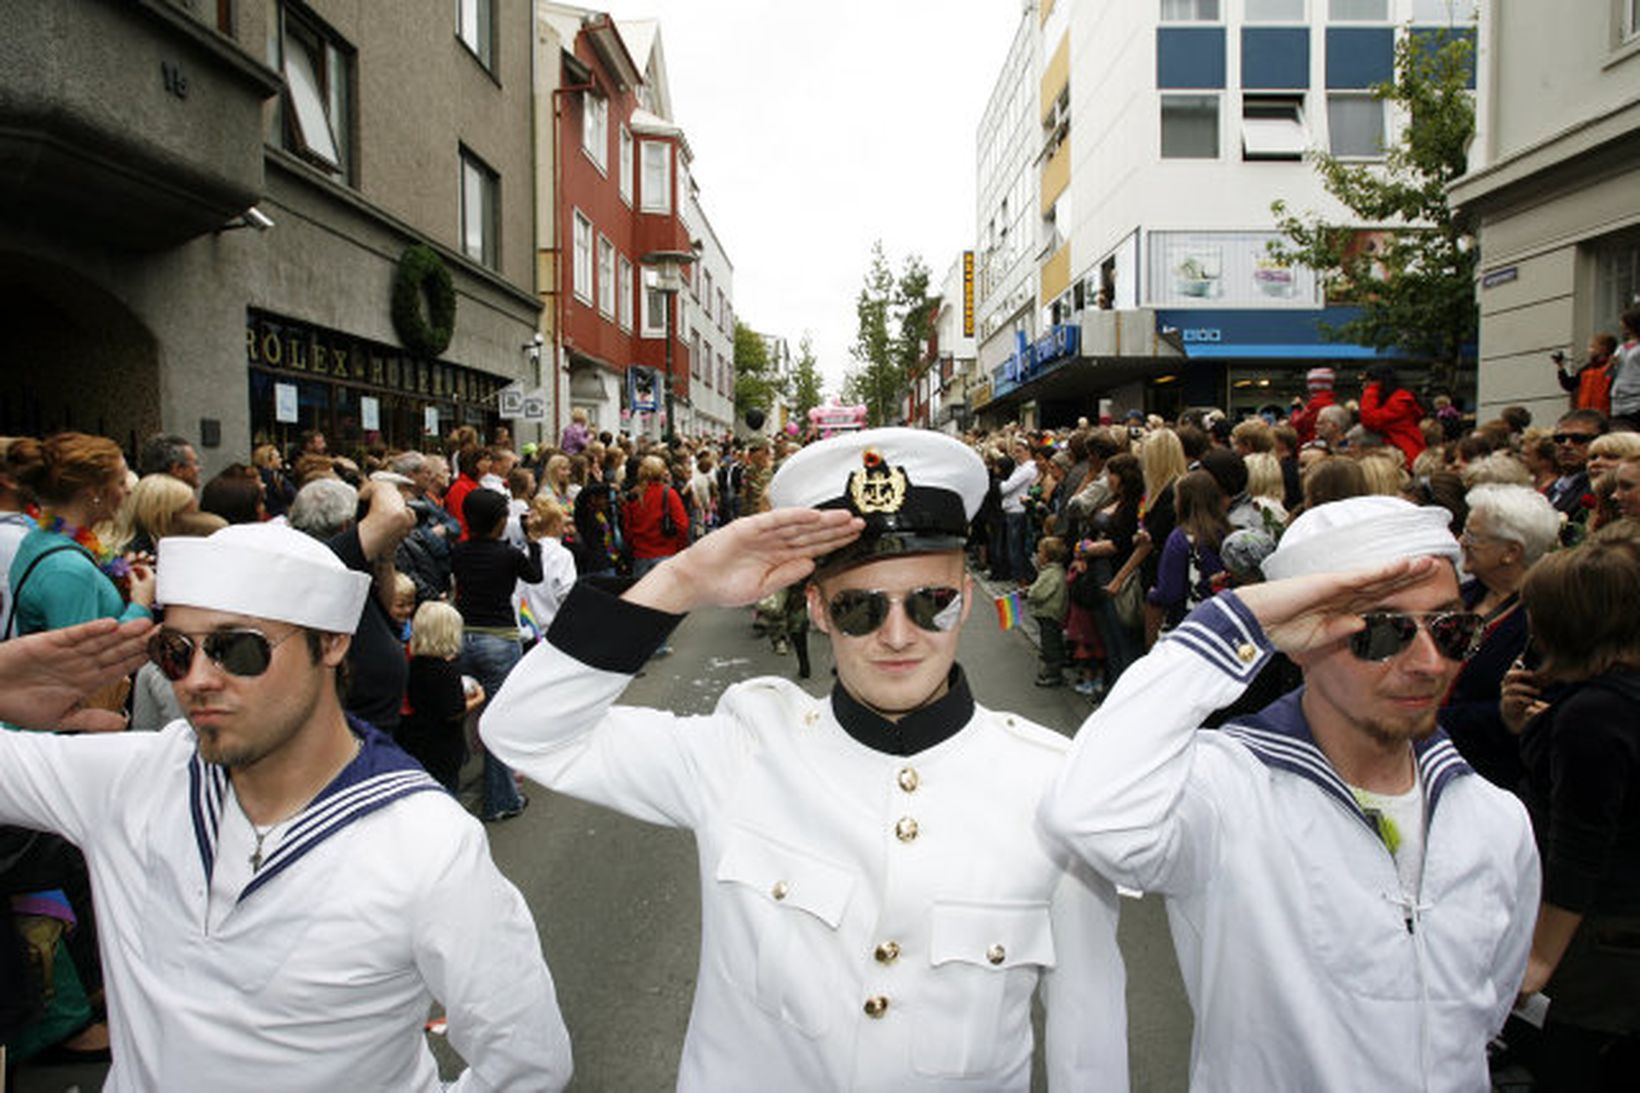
[(314, 116), (626, 166), (654, 312), (606, 277), (1272, 127), (623, 310), (706, 296), (595, 128), (1631, 19), (1190, 11), (1190, 127), (480, 201), (694, 354), (1617, 282), (475, 26), (1357, 11), (1355, 126), (583, 258), (656, 161), (723, 312), (1450, 13), (1274, 11)]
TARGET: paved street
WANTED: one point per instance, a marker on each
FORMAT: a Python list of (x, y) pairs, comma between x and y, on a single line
[(618, 904)]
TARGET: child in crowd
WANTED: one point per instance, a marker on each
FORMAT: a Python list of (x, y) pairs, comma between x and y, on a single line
[(1081, 627), (433, 731), (404, 605), (538, 601), (1049, 599)]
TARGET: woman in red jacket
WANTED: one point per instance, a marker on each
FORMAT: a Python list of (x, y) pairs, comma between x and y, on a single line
[(1392, 411), (653, 517)]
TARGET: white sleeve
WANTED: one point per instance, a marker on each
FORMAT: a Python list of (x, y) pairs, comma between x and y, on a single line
[(64, 784), (1128, 799), (1509, 963), (477, 950), (555, 718), (1084, 993)]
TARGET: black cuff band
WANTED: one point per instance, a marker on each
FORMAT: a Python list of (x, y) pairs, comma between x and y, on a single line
[(606, 632)]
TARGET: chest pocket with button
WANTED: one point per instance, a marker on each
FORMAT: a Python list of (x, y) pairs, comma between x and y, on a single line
[(974, 1011), (790, 904)]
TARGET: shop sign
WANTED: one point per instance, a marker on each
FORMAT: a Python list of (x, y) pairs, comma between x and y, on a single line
[(1225, 269), (968, 294), (284, 345), (979, 394), (1057, 344)]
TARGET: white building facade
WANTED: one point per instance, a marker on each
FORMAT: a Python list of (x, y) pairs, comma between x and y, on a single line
[(1555, 188), (708, 315), (1161, 132)]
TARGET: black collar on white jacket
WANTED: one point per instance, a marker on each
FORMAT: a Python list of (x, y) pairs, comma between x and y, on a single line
[(918, 730)]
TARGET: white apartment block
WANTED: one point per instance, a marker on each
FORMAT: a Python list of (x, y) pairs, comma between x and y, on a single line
[(1555, 188), (1158, 134), (708, 316)]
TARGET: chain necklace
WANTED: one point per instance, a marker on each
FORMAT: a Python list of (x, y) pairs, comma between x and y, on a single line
[(256, 858)]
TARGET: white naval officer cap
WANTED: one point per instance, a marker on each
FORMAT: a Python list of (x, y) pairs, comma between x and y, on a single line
[(916, 490), (267, 571), (1360, 533)]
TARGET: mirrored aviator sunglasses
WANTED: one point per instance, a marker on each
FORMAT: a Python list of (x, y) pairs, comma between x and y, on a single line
[(1388, 633), (239, 652), (858, 612)]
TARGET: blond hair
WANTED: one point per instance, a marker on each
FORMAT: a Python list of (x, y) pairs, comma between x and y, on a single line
[(1161, 458), (1264, 476), (435, 630), (1383, 473), (153, 507)]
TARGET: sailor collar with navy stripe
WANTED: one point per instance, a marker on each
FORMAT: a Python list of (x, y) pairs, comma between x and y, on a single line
[(1280, 737), (376, 777), (918, 730)]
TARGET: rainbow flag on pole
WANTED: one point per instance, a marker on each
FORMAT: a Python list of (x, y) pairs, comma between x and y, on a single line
[(1008, 609), (530, 629)]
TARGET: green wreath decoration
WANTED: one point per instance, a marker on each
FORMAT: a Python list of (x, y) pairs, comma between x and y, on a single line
[(422, 276)]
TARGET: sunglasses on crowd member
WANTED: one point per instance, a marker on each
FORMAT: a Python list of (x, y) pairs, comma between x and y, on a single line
[(241, 651), (1387, 633), (858, 612), (1573, 438)]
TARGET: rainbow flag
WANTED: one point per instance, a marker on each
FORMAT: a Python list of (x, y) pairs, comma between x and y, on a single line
[(1008, 609), (526, 621)]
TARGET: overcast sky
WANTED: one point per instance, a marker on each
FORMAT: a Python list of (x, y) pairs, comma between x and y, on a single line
[(820, 127)]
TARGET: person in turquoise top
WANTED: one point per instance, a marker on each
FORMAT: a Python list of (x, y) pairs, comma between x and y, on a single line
[(61, 575)]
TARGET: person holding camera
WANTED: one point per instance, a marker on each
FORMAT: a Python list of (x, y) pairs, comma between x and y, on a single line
[(1591, 384)]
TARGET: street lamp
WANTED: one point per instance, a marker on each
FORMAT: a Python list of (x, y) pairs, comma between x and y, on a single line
[(666, 271)]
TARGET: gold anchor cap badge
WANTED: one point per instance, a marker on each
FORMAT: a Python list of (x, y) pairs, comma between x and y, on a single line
[(877, 487)]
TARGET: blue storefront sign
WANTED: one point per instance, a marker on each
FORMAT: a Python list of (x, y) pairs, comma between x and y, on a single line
[(1057, 345), (1221, 333)]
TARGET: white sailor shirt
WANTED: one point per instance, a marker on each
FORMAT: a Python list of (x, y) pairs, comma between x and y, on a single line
[(1307, 966), (379, 897)]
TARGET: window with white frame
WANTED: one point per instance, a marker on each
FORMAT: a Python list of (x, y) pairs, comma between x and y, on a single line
[(480, 198), (606, 277), (1190, 11), (723, 312), (706, 296), (1357, 11), (1631, 20), (1456, 13), (1274, 11), (694, 354), (1272, 127), (595, 128), (1190, 126), (314, 116), (475, 26), (655, 164), (583, 258), (623, 310), (654, 311), (1355, 126), (626, 166), (1616, 282)]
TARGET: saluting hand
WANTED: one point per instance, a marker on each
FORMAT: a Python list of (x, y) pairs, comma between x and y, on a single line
[(44, 677), (1303, 613), (746, 560)]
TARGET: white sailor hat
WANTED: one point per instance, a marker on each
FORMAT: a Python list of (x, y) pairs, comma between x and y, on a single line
[(915, 489), (1359, 533), (266, 571)]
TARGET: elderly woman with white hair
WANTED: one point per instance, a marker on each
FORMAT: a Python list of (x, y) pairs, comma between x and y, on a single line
[(1508, 529)]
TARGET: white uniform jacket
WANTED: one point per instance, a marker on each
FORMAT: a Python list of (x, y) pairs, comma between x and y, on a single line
[(317, 977), (1307, 968), (869, 922)]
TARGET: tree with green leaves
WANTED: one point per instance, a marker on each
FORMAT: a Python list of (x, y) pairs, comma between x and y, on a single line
[(893, 316), (806, 381), (756, 384), (1407, 260)]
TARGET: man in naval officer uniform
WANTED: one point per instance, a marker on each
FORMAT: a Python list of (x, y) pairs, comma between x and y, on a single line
[(877, 905), (1350, 903), (281, 892)]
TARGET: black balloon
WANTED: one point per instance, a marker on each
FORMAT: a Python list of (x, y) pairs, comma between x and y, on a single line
[(754, 418)]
